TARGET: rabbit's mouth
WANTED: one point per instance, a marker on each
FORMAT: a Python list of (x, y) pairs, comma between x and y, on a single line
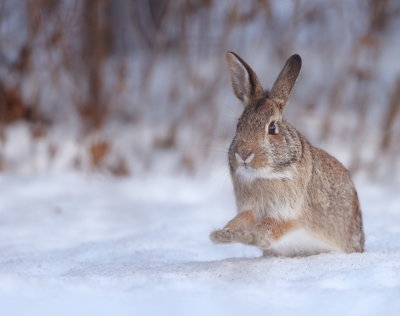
[(248, 174)]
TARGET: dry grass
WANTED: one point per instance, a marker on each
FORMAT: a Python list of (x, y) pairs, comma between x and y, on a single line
[(143, 63)]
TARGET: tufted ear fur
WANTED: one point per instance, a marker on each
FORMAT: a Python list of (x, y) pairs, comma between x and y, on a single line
[(286, 80), (245, 83)]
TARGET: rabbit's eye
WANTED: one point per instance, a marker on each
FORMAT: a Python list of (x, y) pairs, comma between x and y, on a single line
[(272, 130)]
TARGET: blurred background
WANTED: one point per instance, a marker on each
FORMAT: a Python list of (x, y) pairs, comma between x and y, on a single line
[(134, 87)]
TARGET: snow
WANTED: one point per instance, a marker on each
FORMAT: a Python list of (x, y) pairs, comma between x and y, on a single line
[(75, 244)]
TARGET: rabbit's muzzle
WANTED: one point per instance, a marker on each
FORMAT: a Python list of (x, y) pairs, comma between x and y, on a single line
[(246, 160)]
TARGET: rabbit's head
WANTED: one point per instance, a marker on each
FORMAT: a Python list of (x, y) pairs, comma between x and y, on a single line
[(265, 146)]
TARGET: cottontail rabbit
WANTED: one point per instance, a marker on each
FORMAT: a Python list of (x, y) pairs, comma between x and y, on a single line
[(292, 198)]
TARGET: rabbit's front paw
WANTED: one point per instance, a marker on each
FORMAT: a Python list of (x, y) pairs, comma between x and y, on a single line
[(222, 236), (263, 242), (245, 237), (228, 236)]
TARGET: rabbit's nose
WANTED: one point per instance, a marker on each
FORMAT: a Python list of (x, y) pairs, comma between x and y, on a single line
[(247, 158)]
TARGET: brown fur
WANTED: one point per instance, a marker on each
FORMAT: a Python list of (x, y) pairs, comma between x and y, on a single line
[(247, 221), (243, 221), (276, 228), (288, 183)]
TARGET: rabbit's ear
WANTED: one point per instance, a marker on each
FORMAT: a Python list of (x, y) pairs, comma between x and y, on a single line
[(245, 83), (286, 79)]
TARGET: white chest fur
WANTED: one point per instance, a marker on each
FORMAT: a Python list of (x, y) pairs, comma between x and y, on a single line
[(270, 201), (301, 242), (279, 196)]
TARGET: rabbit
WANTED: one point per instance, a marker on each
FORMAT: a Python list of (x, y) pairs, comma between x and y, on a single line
[(293, 199)]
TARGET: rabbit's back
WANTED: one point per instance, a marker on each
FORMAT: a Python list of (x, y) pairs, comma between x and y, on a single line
[(332, 207)]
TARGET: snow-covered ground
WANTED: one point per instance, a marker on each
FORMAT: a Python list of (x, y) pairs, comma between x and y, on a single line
[(90, 245)]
